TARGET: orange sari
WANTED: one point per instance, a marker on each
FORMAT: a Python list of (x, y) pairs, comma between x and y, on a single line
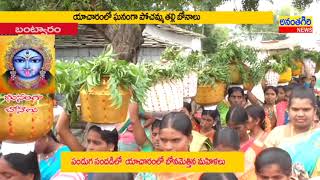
[(250, 154)]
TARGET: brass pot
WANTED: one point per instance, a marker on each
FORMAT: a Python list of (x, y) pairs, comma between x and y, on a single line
[(208, 95), (248, 86), (285, 76), (235, 74), (27, 126), (298, 71), (96, 104)]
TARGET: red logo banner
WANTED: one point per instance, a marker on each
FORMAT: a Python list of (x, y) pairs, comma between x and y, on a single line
[(39, 28)]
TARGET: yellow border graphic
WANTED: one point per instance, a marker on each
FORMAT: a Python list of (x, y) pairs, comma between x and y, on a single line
[(158, 162), (137, 17)]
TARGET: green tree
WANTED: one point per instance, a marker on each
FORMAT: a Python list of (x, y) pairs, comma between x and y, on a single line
[(214, 38)]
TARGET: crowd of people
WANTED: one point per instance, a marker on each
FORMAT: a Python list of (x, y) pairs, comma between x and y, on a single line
[(279, 138)]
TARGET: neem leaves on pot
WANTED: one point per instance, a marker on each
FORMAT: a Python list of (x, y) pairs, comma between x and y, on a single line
[(71, 75), (243, 63)]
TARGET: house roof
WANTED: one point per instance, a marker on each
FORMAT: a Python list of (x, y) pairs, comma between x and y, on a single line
[(153, 42), (276, 45), (87, 37), (272, 44), (179, 30), (90, 38)]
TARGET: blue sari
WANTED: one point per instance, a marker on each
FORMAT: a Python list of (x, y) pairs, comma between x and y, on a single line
[(306, 151), (51, 166)]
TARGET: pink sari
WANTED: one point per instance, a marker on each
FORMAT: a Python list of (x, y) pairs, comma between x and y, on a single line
[(281, 111)]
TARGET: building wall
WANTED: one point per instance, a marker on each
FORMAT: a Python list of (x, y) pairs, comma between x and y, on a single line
[(144, 55), (77, 53), (147, 55)]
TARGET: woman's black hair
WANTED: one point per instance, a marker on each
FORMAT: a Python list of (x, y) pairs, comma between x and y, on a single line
[(303, 93), (288, 88), (237, 114), (155, 124), (231, 90), (276, 156), (25, 164), (218, 176), (187, 106), (110, 137), (257, 112), (227, 137), (52, 136), (215, 115), (272, 88), (178, 121), (318, 112)]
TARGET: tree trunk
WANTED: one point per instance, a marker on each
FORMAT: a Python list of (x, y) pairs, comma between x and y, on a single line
[(125, 39)]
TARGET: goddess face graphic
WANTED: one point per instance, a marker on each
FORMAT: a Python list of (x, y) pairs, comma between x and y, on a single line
[(28, 61), (28, 64)]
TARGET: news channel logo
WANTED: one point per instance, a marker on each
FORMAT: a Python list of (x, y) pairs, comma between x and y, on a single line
[(295, 24)]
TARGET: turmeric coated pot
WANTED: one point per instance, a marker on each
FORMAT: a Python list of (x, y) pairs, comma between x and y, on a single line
[(27, 126), (96, 104), (298, 71), (210, 95), (285, 76)]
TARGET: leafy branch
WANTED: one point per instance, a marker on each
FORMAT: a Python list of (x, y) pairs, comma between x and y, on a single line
[(212, 71), (313, 55), (242, 57), (120, 73), (70, 77)]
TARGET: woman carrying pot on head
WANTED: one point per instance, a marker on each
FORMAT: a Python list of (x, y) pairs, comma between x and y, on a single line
[(140, 135), (97, 139), (136, 134), (270, 96), (142, 139), (236, 97)]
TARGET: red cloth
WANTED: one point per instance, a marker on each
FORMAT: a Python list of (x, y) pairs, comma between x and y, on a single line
[(247, 145), (281, 112)]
